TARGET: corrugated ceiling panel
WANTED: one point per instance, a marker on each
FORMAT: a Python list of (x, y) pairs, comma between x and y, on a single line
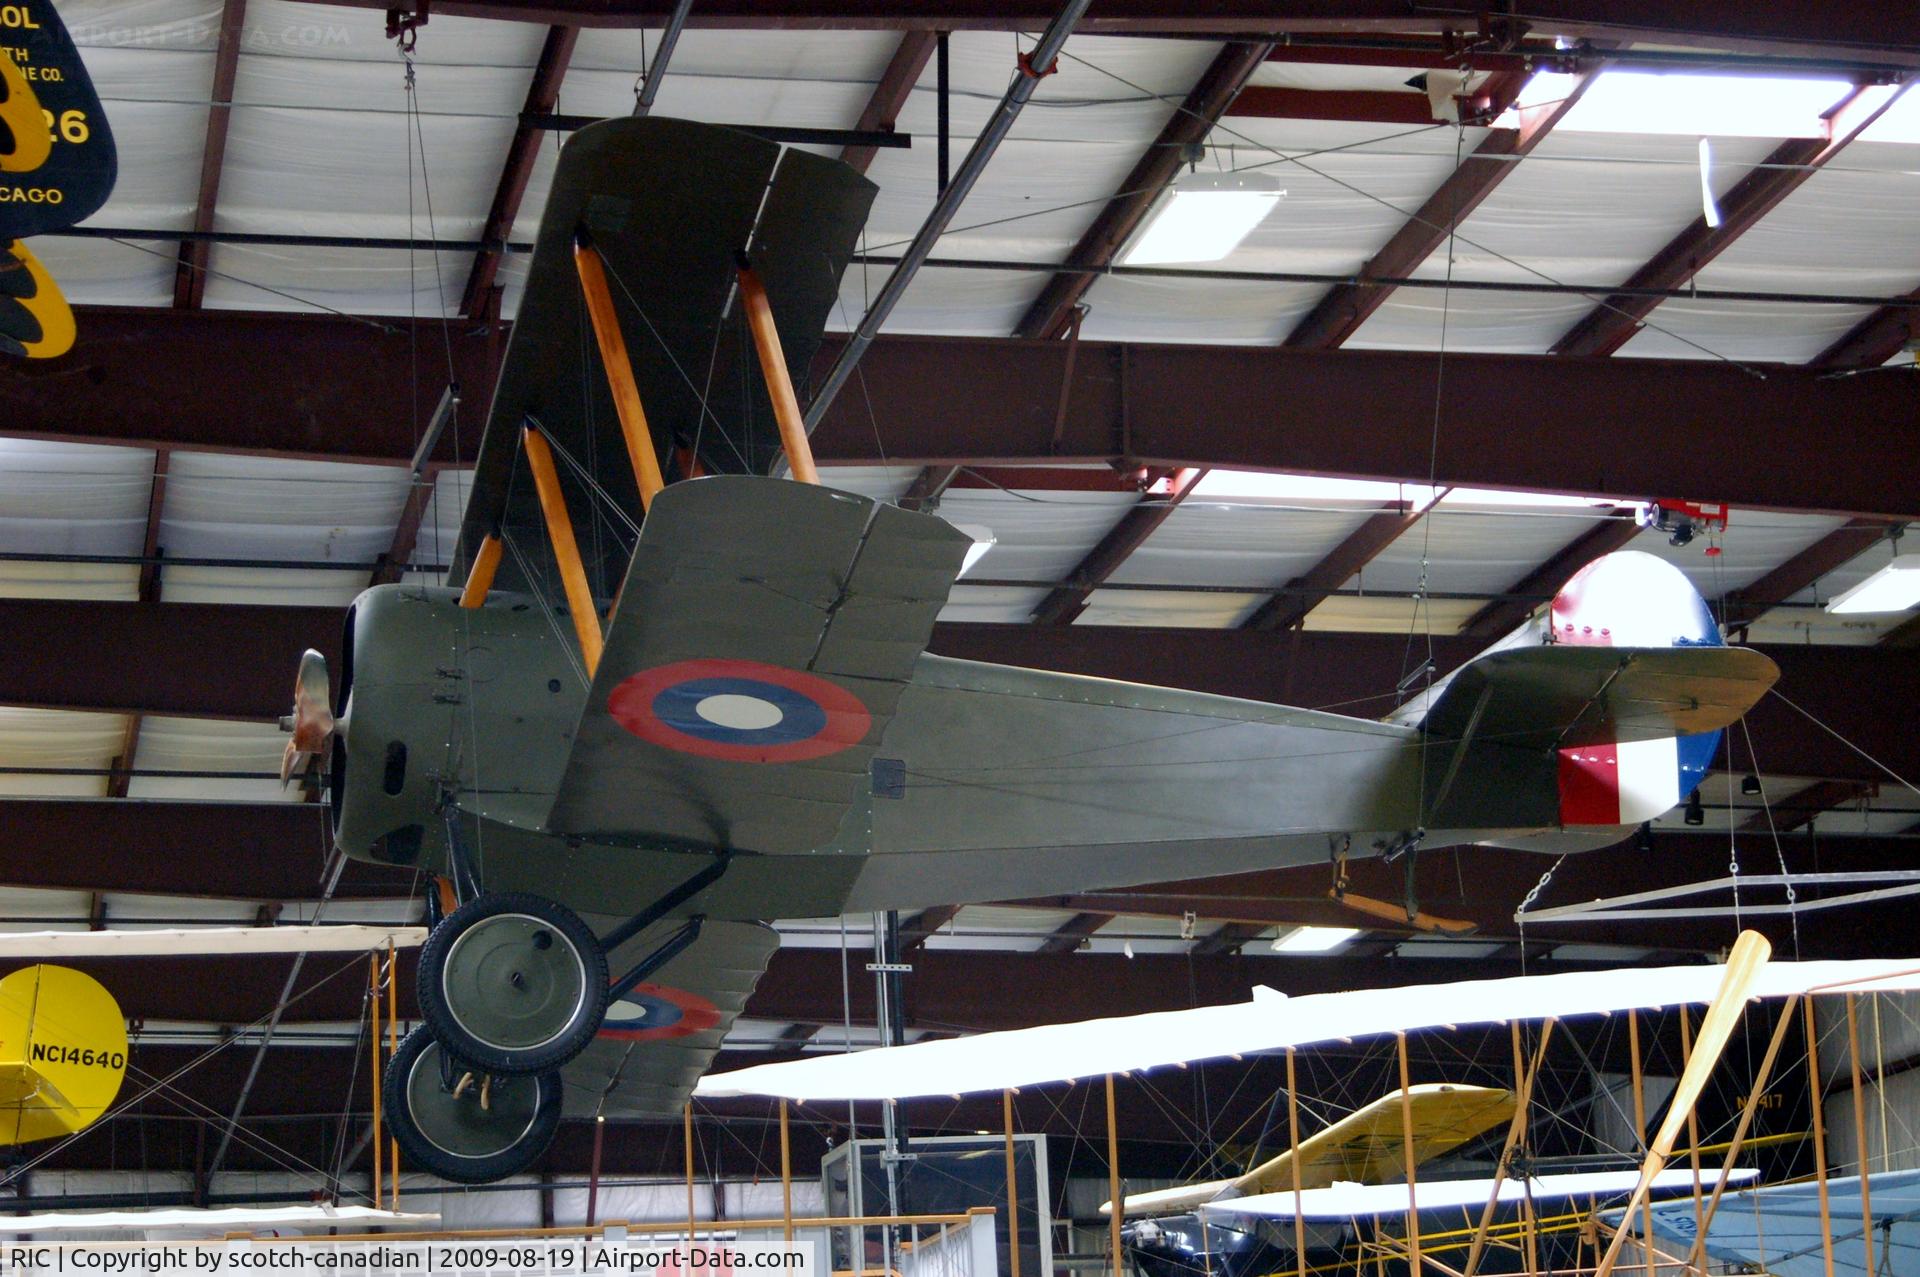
[(1847, 229), (262, 587), (440, 521), (211, 745), (31, 909), (228, 506), (55, 738), (1584, 208), (1227, 312), (1472, 551), (991, 604), (1389, 614), (1756, 542), (1038, 536), (1238, 542), (1169, 608), (70, 498)]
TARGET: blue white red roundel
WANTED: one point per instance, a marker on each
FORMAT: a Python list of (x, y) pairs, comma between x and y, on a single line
[(739, 711), (654, 1011)]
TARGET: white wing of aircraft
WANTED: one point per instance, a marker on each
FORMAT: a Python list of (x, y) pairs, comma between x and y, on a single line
[(1270, 1021), (216, 1223), (202, 941)]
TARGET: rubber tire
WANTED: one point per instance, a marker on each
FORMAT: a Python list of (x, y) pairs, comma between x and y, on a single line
[(495, 1057), (422, 1153)]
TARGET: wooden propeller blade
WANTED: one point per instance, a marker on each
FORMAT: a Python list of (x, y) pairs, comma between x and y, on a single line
[(1750, 954)]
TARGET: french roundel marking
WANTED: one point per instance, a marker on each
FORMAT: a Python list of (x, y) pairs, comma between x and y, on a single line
[(739, 711), (653, 1011)]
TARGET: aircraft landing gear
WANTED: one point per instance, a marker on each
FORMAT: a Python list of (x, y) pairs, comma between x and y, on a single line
[(513, 983), (463, 1124)]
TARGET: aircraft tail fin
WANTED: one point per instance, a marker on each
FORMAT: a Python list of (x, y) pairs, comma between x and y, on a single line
[(63, 1052), (1624, 682)]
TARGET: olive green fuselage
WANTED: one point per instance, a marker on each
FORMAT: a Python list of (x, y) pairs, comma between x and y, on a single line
[(1009, 783)]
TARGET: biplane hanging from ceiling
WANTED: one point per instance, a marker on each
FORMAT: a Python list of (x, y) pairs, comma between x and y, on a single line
[(667, 696)]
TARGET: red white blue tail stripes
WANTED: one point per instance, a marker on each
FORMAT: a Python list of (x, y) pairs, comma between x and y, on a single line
[(1631, 599)]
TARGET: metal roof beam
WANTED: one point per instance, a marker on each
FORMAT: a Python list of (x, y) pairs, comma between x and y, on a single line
[(217, 381), (1362, 546), (1802, 807), (1612, 323), (1065, 602), (1191, 122), (190, 276), (1072, 934), (1339, 314), (891, 94), (1826, 29), (543, 94)]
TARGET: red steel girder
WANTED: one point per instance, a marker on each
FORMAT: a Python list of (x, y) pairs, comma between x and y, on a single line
[(323, 387), (1828, 29), (1801, 808), (543, 94), (1612, 323), (890, 95), (1063, 603), (190, 276), (1338, 315), (1217, 88), (1874, 340), (1069, 935), (241, 851)]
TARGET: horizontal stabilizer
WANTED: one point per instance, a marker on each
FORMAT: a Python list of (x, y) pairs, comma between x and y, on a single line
[(1562, 696)]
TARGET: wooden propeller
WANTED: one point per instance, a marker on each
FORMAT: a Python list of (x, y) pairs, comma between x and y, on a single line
[(1750, 954)]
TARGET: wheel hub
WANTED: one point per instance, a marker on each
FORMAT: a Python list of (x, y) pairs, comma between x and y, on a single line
[(454, 1120), (511, 985)]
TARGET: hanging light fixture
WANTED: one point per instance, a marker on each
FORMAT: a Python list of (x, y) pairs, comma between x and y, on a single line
[(1894, 588), (1203, 217)]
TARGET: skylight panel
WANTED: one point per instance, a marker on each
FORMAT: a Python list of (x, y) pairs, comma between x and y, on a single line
[(1690, 104)]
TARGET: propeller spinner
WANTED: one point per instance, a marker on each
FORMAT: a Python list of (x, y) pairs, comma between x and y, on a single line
[(312, 719)]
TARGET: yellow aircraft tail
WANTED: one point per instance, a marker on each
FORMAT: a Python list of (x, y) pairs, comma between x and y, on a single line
[(63, 1052)]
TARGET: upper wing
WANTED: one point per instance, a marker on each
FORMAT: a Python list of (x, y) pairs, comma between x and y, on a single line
[(1369, 1147), (671, 206), (660, 1038), (763, 636)]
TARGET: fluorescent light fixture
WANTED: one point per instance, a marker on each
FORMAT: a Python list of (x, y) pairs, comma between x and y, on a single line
[(983, 540), (1256, 485), (1203, 217), (1894, 588), (1313, 939), (1693, 104)]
